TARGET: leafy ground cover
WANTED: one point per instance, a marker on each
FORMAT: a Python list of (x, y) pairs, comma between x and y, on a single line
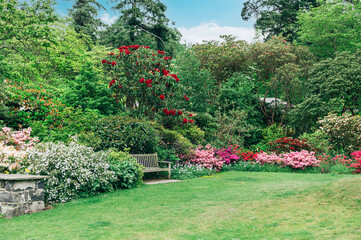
[(230, 205)]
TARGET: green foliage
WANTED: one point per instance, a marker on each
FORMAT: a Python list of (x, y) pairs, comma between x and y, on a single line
[(172, 140), (199, 83), (279, 69), (333, 26), (223, 59), (31, 102), (318, 140), (3, 100), (88, 91), (84, 15), (275, 18), (142, 22), (121, 132), (337, 81), (208, 124), (128, 172), (191, 132), (71, 122), (344, 131)]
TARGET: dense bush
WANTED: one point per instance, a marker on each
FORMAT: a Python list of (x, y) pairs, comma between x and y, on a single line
[(127, 171), (72, 121), (122, 132), (191, 132), (357, 164), (74, 170), (298, 160), (88, 91), (14, 146), (343, 131), (172, 140), (287, 144), (317, 140)]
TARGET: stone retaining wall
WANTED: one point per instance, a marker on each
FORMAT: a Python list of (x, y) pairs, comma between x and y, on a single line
[(21, 194)]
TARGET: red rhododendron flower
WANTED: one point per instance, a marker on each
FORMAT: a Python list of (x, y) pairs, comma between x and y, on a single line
[(161, 52), (185, 120), (161, 97), (190, 115), (186, 98), (127, 51), (114, 63), (191, 121), (165, 110), (180, 113), (141, 80), (111, 82), (104, 61)]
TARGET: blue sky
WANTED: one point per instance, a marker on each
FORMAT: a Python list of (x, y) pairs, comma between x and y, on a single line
[(197, 20)]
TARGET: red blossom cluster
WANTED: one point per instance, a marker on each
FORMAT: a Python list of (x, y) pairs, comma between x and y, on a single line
[(287, 144), (186, 98)]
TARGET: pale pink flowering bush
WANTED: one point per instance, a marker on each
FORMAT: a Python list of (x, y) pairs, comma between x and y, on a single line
[(264, 157), (300, 159), (205, 157), (14, 146)]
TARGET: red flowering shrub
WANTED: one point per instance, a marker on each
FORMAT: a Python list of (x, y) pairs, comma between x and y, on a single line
[(287, 144), (142, 79), (249, 156), (357, 165)]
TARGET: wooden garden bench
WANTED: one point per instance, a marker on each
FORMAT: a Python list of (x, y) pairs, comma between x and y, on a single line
[(151, 163)]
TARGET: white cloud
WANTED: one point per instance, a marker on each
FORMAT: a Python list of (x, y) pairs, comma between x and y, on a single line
[(212, 31), (105, 18)]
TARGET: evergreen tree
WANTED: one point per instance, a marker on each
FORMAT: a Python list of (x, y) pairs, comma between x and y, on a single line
[(84, 13), (276, 17)]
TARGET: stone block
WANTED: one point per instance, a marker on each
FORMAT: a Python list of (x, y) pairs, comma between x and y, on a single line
[(20, 185), (37, 206), (41, 185), (37, 195), (9, 186), (9, 197)]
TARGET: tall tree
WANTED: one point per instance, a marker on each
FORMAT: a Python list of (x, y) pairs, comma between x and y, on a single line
[(84, 13), (333, 26), (145, 18), (276, 17)]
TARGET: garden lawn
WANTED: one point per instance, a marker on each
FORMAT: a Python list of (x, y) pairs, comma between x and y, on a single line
[(230, 205)]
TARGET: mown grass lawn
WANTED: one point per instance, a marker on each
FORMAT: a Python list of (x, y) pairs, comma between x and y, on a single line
[(231, 205)]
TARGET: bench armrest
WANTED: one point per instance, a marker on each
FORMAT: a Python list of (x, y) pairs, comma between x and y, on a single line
[(164, 162)]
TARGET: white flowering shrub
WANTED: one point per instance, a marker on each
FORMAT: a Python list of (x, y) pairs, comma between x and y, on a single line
[(187, 171), (75, 170)]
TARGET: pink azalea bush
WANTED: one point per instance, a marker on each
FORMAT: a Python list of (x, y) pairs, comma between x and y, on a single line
[(14, 147), (357, 165), (299, 160), (210, 158)]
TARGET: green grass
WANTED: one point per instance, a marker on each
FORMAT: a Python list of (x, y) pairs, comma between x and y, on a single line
[(231, 205)]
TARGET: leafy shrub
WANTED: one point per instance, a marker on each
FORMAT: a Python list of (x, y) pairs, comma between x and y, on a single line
[(188, 171), (343, 131), (287, 144), (172, 140), (122, 132), (72, 121), (74, 170), (208, 124), (128, 172), (88, 93), (191, 132), (317, 140), (30, 102)]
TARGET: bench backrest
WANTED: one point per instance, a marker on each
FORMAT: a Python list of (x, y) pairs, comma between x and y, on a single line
[(147, 160)]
